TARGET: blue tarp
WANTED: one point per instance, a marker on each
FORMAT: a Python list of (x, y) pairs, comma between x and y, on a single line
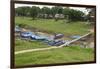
[(45, 39), (33, 36), (26, 34), (36, 37)]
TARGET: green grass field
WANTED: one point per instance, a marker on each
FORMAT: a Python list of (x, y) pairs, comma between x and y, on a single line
[(50, 25), (61, 55), (24, 45)]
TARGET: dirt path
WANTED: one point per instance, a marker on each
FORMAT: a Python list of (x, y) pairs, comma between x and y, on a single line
[(31, 50)]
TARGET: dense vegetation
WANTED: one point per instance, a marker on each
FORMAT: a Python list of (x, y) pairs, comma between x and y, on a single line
[(46, 12)]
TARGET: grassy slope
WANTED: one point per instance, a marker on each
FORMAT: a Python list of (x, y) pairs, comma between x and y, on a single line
[(53, 26), (24, 45), (67, 54)]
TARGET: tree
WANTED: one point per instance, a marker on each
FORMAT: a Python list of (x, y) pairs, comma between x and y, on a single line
[(34, 12), (91, 15), (46, 12), (56, 12), (59, 10), (22, 11), (53, 11), (76, 15), (66, 14), (73, 15)]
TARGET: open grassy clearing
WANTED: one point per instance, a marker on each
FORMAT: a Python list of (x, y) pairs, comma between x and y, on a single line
[(61, 55), (24, 45), (50, 25)]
